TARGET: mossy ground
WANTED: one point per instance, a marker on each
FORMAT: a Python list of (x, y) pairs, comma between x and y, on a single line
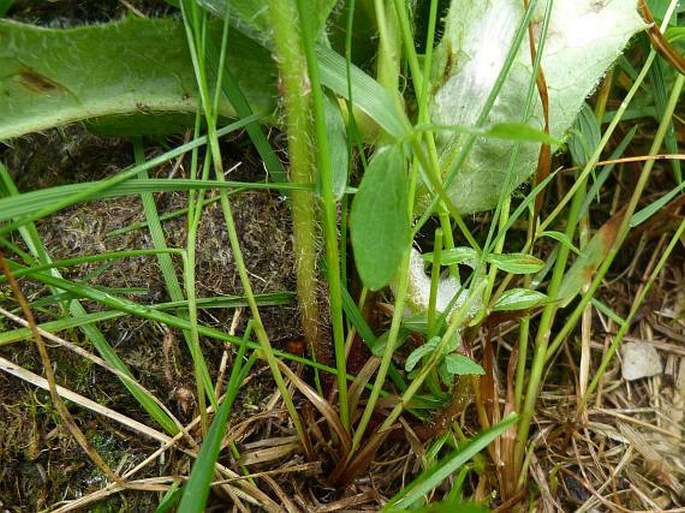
[(41, 462)]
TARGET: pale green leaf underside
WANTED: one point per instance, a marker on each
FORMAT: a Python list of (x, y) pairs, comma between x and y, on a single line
[(583, 39), (460, 365), (51, 77)]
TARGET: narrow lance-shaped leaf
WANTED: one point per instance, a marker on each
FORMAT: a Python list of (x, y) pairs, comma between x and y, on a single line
[(585, 136), (337, 143), (516, 263), (583, 269), (196, 490), (369, 95), (436, 474), (379, 221), (458, 255)]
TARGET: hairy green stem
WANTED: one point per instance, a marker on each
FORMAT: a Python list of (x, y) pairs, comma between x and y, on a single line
[(330, 217), (296, 90)]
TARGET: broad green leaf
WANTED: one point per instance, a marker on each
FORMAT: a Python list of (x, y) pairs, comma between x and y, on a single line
[(516, 263), (460, 365), (519, 299), (131, 72), (583, 40), (379, 222), (459, 255), (583, 269), (440, 471)]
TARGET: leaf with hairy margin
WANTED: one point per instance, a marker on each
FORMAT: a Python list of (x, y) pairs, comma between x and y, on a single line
[(132, 76), (583, 40)]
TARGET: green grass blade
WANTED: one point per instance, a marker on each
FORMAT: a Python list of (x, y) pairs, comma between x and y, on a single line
[(645, 213), (166, 265), (7, 212), (75, 309), (130, 307), (435, 475), (368, 94), (33, 204), (196, 490), (170, 498), (273, 299)]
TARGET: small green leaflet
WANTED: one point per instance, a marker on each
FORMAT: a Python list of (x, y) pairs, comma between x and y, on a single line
[(516, 263), (460, 365), (418, 353), (519, 299), (459, 255)]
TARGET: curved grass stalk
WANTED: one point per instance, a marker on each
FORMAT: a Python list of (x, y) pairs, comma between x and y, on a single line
[(194, 37)]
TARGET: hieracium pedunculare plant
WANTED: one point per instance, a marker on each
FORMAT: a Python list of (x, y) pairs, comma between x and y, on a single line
[(420, 132)]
